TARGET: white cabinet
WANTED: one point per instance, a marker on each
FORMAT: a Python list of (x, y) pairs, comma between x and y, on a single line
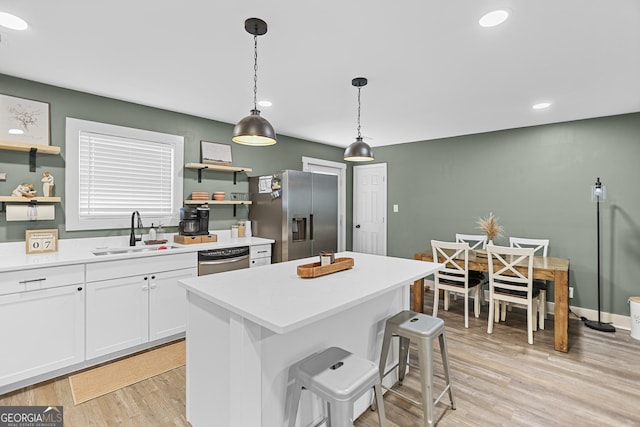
[(260, 255), (168, 303), (125, 310), (42, 329), (117, 315)]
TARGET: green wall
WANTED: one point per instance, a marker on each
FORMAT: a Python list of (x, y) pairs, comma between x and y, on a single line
[(286, 154), (537, 181)]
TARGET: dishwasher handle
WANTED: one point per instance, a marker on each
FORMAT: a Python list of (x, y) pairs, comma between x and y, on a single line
[(224, 261)]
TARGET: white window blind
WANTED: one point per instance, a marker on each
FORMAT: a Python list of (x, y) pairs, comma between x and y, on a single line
[(112, 171), (120, 175)]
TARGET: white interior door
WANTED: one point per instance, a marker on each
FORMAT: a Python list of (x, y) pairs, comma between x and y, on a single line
[(310, 164), (370, 209)]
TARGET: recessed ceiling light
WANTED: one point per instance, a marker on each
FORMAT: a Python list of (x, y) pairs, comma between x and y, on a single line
[(12, 22), (265, 103), (16, 131), (541, 106), (494, 18)]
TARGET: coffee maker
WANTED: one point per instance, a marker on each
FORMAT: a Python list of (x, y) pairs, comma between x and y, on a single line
[(194, 221), (203, 217)]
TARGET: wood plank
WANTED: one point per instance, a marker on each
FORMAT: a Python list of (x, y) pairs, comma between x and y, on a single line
[(14, 199), (221, 168), (217, 202), (17, 146)]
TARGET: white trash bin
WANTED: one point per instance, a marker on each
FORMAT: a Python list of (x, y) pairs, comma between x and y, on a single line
[(635, 317)]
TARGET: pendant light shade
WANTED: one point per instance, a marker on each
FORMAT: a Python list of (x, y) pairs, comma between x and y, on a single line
[(358, 151), (254, 129)]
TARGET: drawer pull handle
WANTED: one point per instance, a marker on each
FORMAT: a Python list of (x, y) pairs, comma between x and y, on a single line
[(24, 282)]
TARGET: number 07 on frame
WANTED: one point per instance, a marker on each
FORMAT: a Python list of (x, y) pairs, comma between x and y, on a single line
[(41, 241)]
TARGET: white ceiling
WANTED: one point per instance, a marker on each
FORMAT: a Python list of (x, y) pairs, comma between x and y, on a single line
[(433, 71)]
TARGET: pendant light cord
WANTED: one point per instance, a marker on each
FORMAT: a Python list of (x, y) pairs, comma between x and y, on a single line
[(255, 72), (359, 112)]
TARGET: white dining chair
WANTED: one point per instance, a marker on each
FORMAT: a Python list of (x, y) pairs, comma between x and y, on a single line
[(509, 285), (540, 247), (454, 277), (475, 241)]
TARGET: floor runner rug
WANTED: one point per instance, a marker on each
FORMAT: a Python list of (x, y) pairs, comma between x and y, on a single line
[(110, 377)]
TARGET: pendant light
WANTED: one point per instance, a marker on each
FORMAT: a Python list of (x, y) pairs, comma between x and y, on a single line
[(254, 129), (358, 151)]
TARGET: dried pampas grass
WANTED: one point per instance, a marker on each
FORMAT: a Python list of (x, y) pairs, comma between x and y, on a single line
[(490, 227)]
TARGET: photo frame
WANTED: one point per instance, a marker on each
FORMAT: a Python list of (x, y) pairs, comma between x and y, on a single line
[(24, 121), (214, 153)]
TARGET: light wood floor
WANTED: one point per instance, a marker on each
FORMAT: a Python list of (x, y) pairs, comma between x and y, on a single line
[(499, 380)]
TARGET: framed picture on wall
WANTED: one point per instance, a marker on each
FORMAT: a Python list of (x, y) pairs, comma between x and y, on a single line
[(215, 154), (26, 121)]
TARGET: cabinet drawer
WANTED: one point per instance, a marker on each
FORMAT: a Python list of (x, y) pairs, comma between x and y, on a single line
[(260, 251), (131, 267), (257, 262), (40, 278)]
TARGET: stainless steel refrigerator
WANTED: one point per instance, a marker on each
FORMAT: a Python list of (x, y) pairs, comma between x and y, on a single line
[(299, 210)]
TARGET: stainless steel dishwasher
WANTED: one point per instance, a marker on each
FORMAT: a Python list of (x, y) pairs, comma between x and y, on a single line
[(219, 260)]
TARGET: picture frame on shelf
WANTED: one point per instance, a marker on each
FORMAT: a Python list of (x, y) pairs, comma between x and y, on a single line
[(27, 121), (214, 153)]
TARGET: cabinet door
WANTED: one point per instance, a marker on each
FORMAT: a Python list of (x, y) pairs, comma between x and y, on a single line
[(41, 331), (168, 303), (117, 314)]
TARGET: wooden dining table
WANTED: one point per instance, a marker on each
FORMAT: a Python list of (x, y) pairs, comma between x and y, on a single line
[(544, 268)]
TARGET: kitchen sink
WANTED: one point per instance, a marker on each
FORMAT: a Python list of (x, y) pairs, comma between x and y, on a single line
[(132, 250)]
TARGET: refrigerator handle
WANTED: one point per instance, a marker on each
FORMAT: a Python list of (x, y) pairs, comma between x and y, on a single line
[(310, 226)]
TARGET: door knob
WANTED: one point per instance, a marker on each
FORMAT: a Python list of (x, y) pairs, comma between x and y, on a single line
[(358, 226)]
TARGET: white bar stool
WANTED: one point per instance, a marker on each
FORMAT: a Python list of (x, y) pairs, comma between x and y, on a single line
[(339, 378), (409, 325)]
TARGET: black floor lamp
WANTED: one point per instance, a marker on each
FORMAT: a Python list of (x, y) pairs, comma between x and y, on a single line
[(598, 194)]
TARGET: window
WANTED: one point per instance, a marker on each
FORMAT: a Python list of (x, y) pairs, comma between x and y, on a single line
[(112, 171)]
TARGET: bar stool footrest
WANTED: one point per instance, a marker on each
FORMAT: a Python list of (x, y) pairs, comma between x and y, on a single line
[(415, 402)]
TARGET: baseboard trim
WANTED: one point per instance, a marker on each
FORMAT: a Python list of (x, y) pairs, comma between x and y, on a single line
[(618, 320)]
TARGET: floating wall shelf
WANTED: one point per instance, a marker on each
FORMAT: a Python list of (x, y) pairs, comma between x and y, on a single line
[(219, 168), (14, 199), (31, 149), (219, 202)]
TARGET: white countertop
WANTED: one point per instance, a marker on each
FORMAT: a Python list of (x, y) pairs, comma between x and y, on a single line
[(80, 251), (275, 297)]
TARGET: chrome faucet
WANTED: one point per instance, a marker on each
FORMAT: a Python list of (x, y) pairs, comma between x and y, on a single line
[(133, 239)]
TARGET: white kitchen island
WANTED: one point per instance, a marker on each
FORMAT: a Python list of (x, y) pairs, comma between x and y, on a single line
[(246, 328)]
